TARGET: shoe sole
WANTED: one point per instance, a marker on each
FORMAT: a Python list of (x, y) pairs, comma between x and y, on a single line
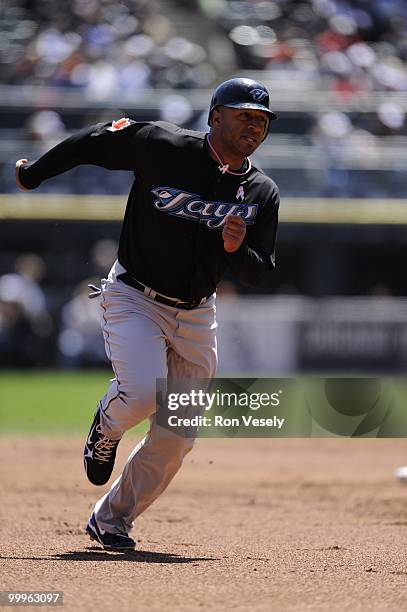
[(94, 481), (93, 536)]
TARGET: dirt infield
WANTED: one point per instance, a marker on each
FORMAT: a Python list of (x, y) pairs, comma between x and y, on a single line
[(247, 525)]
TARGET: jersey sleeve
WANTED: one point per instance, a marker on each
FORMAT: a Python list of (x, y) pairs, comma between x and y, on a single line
[(119, 145), (256, 255)]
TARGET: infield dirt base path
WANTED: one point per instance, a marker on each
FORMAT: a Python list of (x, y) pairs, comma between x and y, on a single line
[(285, 525)]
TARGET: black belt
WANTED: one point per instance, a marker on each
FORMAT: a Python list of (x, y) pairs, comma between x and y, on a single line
[(130, 280)]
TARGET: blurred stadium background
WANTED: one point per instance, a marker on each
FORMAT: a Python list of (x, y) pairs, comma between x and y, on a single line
[(337, 73)]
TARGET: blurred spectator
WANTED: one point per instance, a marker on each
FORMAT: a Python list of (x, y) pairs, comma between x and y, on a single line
[(23, 286), (102, 47), (16, 334), (175, 109), (80, 341), (333, 139), (104, 254), (391, 117), (45, 128), (25, 325), (351, 46), (108, 48)]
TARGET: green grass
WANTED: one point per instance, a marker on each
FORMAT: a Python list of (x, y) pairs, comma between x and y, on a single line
[(63, 403), (58, 403)]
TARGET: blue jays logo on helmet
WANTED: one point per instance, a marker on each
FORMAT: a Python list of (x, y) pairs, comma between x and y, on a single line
[(258, 94)]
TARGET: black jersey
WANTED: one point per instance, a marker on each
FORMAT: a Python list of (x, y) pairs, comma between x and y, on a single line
[(171, 238)]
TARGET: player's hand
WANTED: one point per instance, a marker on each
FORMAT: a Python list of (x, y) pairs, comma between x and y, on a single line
[(233, 233), (19, 163)]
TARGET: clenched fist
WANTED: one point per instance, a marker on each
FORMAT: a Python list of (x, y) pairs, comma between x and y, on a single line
[(19, 163), (233, 233)]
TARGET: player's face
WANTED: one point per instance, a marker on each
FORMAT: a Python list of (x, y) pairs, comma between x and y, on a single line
[(241, 130)]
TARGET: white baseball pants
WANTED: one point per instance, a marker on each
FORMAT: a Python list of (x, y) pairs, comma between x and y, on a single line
[(146, 340)]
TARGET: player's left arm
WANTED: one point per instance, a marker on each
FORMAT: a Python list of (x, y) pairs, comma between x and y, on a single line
[(251, 249)]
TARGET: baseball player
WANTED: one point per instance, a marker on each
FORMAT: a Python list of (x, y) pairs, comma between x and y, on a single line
[(197, 207)]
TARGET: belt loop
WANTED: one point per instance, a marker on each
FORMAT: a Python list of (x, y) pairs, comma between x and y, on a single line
[(149, 292)]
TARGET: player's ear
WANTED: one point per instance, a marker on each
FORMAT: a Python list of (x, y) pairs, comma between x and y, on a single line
[(216, 118)]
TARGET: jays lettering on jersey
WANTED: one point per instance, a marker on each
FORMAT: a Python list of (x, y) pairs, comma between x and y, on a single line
[(191, 206), (171, 237)]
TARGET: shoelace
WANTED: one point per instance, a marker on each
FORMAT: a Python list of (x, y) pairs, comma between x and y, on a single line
[(104, 447)]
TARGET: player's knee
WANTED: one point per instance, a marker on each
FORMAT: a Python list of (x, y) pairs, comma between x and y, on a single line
[(140, 405)]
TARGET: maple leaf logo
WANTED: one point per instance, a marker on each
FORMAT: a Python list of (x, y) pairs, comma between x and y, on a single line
[(120, 124)]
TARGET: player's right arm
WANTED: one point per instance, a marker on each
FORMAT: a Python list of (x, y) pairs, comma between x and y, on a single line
[(115, 146)]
